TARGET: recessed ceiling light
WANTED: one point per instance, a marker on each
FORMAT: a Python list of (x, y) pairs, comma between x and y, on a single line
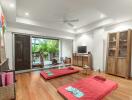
[(27, 14), (102, 16), (12, 5)]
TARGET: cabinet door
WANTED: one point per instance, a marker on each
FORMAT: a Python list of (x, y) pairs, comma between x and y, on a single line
[(122, 67), (112, 45), (79, 59), (74, 60), (123, 44), (85, 61), (123, 61), (111, 65)]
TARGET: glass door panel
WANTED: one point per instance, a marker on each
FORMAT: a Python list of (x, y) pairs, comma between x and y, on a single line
[(45, 52), (123, 44), (112, 44)]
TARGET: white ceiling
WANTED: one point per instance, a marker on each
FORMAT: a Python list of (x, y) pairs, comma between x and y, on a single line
[(50, 13)]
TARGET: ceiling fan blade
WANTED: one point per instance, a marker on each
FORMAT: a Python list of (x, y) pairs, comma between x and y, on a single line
[(71, 25), (73, 20)]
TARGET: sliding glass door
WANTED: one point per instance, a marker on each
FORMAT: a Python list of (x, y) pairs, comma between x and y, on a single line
[(45, 52)]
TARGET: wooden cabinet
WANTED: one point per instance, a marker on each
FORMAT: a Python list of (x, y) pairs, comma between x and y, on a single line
[(119, 54), (82, 60)]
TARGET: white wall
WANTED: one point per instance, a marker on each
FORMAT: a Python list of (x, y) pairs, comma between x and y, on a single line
[(67, 47), (97, 42), (98, 49), (30, 29), (66, 41), (83, 40), (8, 48), (100, 43)]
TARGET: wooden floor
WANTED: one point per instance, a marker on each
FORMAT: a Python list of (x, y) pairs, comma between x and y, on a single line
[(31, 86)]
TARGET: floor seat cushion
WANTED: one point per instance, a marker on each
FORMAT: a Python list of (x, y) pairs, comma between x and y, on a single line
[(93, 88), (53, 73)]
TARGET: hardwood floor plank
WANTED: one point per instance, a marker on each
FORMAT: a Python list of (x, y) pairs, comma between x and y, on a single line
[(31, 86)]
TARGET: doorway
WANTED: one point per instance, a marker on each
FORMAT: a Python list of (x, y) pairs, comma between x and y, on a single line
[(22, 52)]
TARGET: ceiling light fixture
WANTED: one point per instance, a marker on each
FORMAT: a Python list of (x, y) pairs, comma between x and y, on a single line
[(102, 16), (27, 14), (12, 5)]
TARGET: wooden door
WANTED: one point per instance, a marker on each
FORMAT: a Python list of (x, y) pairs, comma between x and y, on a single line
[(22, 52)]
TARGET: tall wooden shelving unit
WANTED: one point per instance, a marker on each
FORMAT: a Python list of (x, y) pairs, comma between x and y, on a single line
[(119, 53), (7, 92)]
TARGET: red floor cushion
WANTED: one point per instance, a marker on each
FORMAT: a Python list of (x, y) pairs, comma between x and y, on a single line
[(53, 73), (92, 88)]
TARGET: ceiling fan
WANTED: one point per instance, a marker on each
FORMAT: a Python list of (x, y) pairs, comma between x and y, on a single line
[(66, 21), (70, 21)]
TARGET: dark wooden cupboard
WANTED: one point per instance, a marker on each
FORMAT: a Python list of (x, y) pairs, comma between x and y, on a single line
[(22, 52)]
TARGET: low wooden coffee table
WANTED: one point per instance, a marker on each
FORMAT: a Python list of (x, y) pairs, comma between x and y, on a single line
[(86, 70)]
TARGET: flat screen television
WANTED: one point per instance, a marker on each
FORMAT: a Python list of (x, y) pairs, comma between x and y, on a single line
[(82, 49)]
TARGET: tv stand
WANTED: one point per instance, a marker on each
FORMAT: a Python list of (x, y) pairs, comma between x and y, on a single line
[(80, 59)]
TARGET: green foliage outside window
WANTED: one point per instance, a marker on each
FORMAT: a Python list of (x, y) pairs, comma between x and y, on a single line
[(46, 47)]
